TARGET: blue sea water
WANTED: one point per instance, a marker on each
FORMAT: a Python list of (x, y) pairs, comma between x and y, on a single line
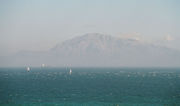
[(90, 87)]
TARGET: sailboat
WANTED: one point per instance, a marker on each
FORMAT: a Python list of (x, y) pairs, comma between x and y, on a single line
[(43, 65), (70, 71), (28, 69)]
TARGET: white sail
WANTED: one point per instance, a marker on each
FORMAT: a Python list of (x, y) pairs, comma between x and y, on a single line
[(28, 68), (70, 71), (43, 65)]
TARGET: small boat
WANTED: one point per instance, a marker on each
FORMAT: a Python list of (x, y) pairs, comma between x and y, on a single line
[(70, 71), (28, 69)]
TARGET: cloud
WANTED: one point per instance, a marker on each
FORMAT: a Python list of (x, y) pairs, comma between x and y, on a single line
[(134, 35), (169, 38)]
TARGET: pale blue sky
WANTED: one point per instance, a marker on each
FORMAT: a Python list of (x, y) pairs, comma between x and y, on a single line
[(40, 24)]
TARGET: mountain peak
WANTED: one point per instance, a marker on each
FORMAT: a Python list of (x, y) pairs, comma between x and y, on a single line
[(94, 40), (97, 35), (94, 36), (95, 49)]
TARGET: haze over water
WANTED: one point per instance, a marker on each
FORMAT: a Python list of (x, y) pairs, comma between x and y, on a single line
[(38, 25), (74, 52)]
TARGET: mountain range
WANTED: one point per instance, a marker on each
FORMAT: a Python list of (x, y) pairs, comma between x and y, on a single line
[(97, 50)]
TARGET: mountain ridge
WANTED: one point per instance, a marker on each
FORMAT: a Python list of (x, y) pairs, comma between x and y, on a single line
[(99, 50)]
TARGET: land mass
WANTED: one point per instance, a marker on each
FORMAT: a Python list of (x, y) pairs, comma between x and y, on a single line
[(98, 50)]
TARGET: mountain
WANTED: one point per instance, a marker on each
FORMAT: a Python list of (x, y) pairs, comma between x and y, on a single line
[(98, 50)]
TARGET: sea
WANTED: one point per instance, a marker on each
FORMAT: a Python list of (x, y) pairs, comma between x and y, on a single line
[(47, 86)]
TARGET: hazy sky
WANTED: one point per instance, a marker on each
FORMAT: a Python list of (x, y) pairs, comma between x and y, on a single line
[(40, 24)]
